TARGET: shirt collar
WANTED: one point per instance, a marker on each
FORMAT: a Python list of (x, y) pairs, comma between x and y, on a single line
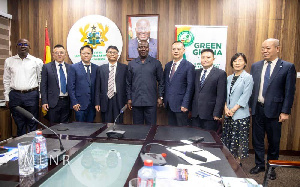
[(273, 61), (178, 62), (57, 64), (115, 64), (28, 56)]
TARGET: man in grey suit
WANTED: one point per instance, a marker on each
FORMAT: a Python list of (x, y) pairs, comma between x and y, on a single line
[(271, 102), (142, 34), (110, 91), (55, 98), (210, 93)]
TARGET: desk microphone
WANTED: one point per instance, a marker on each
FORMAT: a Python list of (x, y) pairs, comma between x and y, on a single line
[(55, 153), (116, 133)]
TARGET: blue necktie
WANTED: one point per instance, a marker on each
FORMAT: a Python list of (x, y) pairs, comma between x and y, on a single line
[(266, 79), (88, 73), (63, 84), (202, 78)]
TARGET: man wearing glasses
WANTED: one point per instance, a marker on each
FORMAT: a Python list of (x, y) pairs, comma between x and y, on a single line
[(110, 93), (21, 79), (55, 98)]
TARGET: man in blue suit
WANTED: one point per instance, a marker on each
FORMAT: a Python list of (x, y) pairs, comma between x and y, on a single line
[(179, 77), (81, 86), (142, 34), (271, 102), (210, 93), (110, 93), (55, 98)]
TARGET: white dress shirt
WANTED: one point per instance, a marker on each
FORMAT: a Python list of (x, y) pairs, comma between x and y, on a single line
[(90, 68), (21, 74), (262, 78), (115, 66), (58, 74), (207, 72), (176, 66)]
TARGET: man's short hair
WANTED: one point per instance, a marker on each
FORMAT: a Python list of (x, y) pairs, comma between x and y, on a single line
[(58, 46), (208, 50), (112, 47), (86, 46), (237, 55), (179, 42)]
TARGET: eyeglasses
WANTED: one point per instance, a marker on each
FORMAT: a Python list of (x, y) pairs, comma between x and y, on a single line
[(23, 44), (59, 53), (112, 52)]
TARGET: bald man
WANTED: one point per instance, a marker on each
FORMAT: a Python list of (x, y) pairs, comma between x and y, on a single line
[(21, 79), (142, 30), (271, 102)]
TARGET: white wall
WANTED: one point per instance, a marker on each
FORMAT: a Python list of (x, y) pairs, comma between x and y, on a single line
[(3, 6)]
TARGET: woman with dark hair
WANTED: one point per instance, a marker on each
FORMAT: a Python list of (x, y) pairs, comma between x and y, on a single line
[(237, 116)]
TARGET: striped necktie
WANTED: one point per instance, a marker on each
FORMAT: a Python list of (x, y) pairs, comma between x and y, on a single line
[(202, 79), (111, 82)]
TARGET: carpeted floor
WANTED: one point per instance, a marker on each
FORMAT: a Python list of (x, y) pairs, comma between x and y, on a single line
[(286, 177)]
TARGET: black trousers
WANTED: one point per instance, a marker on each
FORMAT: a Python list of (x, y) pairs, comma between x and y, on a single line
[(261, 125), (61, 112), (205, 124), (177, 118), (112, 112), (30, 102), (144, 115)]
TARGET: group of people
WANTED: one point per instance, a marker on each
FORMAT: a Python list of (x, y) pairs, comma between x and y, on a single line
[(267, 92)]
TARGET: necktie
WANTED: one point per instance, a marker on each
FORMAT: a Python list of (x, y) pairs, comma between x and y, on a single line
[(266, 79), (88, 73), (63, 84), (172, 70), (111, 82), (202, 78)]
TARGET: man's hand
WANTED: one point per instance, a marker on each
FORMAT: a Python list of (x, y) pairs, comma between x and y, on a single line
[(129, 104), (216, 118), (283, 117), (97, 107), (76, 107), (7, 104), (183, 109), (45, 107), (159, 102)]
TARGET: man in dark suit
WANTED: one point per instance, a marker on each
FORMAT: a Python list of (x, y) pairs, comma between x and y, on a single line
[(142, 34), (271, 102), (81, 86), (144, 73), (210, 93), (179, 77), (110, 93), (54, 93)]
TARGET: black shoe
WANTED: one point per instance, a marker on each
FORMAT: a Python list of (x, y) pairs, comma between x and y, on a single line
[(257, 169), (272, 175)]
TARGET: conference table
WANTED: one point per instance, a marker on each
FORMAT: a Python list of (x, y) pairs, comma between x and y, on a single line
[(93, 159)]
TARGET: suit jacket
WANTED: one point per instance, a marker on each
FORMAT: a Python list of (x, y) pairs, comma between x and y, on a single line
[(280, 92), (240, 94), (179, 90), (101, 97), (133, 45), (209, 100), (50, 89), (81, 91)]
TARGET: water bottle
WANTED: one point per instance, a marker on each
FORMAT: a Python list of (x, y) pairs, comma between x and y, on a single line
[(147, 175), (40, 151)]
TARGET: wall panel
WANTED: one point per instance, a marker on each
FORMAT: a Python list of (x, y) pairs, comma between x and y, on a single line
[(249, 24)]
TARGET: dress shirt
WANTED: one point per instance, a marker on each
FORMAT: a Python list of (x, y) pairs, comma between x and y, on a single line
[(90, 68), (21, 74), (58, 74), (207, 72), (273, 64), (115, 66), (176, 66)]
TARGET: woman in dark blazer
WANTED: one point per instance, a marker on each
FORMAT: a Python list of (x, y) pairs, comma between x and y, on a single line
[(237, 116)]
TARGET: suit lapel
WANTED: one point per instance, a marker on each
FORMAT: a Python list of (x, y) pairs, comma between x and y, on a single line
[(276, 70), (82, 69), (179, 68), (54, 71), (198, 79), (212, 71), (259, 70), (238, 81)]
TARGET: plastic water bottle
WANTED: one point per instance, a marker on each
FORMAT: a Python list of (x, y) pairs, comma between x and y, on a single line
[(40, 151), (147, 175)]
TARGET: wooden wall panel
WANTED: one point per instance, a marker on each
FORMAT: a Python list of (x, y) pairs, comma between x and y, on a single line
[(249, 24)]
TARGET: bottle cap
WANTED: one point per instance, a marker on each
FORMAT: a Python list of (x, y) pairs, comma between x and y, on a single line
[(39, 132), (164, 155), (148, 163)]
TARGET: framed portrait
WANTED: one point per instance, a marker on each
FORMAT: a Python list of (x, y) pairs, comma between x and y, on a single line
[(142, 27)]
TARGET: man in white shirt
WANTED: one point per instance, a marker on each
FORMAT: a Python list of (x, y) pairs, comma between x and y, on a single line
[(55, 98), (21, 79)]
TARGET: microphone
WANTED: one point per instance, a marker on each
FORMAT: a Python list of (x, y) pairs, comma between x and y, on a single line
[(117, 133), (55, 153)]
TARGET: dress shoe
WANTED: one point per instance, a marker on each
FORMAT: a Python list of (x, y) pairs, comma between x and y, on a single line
[(257, 169), (272, 175)]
